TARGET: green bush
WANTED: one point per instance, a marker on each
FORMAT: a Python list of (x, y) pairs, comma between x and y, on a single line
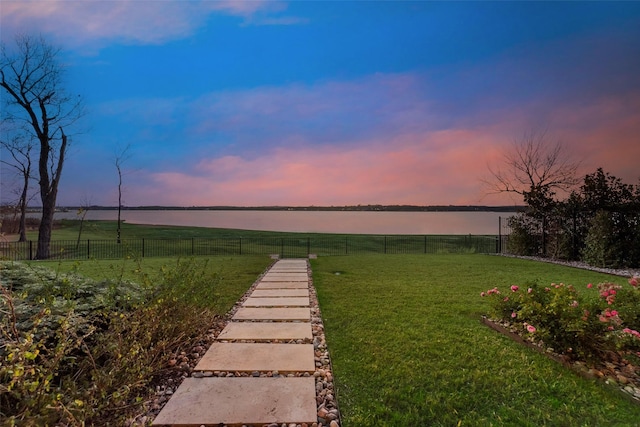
[(566, 322), (80, 352), (522, 239)]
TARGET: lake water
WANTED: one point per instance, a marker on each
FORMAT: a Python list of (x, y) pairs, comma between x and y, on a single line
[(348, 222)]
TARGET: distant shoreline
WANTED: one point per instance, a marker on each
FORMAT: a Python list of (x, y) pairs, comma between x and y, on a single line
[(372, 208)]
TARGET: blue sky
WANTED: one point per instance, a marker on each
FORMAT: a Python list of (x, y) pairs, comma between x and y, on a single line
[(334, 102)]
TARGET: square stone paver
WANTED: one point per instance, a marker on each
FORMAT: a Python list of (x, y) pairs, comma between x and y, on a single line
[(289, 269), (275, 313), (283, 285), (213, 401), (265, 331), (284, 277), (258, 357), (277, 302), (261, 293)]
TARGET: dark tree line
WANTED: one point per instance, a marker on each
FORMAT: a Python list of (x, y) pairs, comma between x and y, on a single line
[(598, 223)]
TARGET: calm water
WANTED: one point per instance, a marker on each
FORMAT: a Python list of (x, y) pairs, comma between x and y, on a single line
[(348, 222)]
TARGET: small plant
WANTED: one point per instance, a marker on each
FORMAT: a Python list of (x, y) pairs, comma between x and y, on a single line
[(567, 322)]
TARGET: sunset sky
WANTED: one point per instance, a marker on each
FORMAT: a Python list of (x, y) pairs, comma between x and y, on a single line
[(334, 102)]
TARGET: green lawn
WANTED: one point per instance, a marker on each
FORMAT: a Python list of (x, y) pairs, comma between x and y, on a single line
[(234, 274), (408, 348)]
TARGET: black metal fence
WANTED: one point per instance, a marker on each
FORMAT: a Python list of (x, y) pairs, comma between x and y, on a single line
[(287, 247)]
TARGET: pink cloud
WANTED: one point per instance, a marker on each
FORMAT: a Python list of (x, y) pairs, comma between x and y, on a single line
[(431, 168), (82, 23), (423, 167)]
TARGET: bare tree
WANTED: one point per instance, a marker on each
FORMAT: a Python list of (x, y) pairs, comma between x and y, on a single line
[(85, 205), (19, 146), (535, 167), (32, 79), (121, 156)]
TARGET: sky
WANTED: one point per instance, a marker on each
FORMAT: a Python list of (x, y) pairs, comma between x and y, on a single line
[(256, 103)]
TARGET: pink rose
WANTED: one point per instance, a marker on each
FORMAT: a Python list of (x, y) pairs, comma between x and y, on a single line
[(514, 288), (589, 286), (514, 315), (531, 329)]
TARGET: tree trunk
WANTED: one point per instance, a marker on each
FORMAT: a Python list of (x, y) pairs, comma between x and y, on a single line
[(46, 226), (48, 194), (23, 210)]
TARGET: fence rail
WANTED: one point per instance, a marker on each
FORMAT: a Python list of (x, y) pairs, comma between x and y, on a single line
[(285, 247)]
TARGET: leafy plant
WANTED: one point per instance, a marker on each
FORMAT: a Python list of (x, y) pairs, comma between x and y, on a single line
[(566, 322)]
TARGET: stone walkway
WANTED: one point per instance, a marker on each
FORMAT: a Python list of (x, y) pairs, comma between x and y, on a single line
[(263, 366)]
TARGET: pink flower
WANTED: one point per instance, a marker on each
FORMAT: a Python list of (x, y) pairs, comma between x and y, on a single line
[(529, 290), (589, 286), (506, 299), (634, 281), (574, 303), (514, 288), (531, 329), (482, 294), (514, 315), (613, 313), (631, 332)]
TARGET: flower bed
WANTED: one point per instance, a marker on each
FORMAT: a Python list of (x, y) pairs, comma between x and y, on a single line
[(594, 332)]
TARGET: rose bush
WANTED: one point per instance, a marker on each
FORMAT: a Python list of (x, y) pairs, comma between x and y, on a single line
[(571, 323)]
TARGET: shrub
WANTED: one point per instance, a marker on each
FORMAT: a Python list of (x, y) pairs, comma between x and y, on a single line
[(79, 352), (522, 238), (566, 322)]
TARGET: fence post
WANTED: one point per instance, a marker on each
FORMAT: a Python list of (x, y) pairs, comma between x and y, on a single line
[(282, 247), (240, 245), (143, 247), (30, 250), (499, 248), (193, 246), (425, 243), (346, 245), (385, 244), (88, 249), (308, 245)]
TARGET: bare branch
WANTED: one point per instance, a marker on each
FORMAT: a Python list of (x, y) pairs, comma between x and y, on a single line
[(534, 163)]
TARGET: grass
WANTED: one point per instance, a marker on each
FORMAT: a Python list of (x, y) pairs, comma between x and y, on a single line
[(98, 241), (408, 348), (234, 275)]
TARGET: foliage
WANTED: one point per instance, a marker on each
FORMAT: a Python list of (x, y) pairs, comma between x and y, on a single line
[(599, 224), (601, 246), (77, 351), (568, 323), (522, 238)]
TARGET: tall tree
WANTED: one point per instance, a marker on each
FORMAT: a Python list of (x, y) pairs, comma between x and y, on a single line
[(121, 156), (32, 78), (534, 167), (18, 146)]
